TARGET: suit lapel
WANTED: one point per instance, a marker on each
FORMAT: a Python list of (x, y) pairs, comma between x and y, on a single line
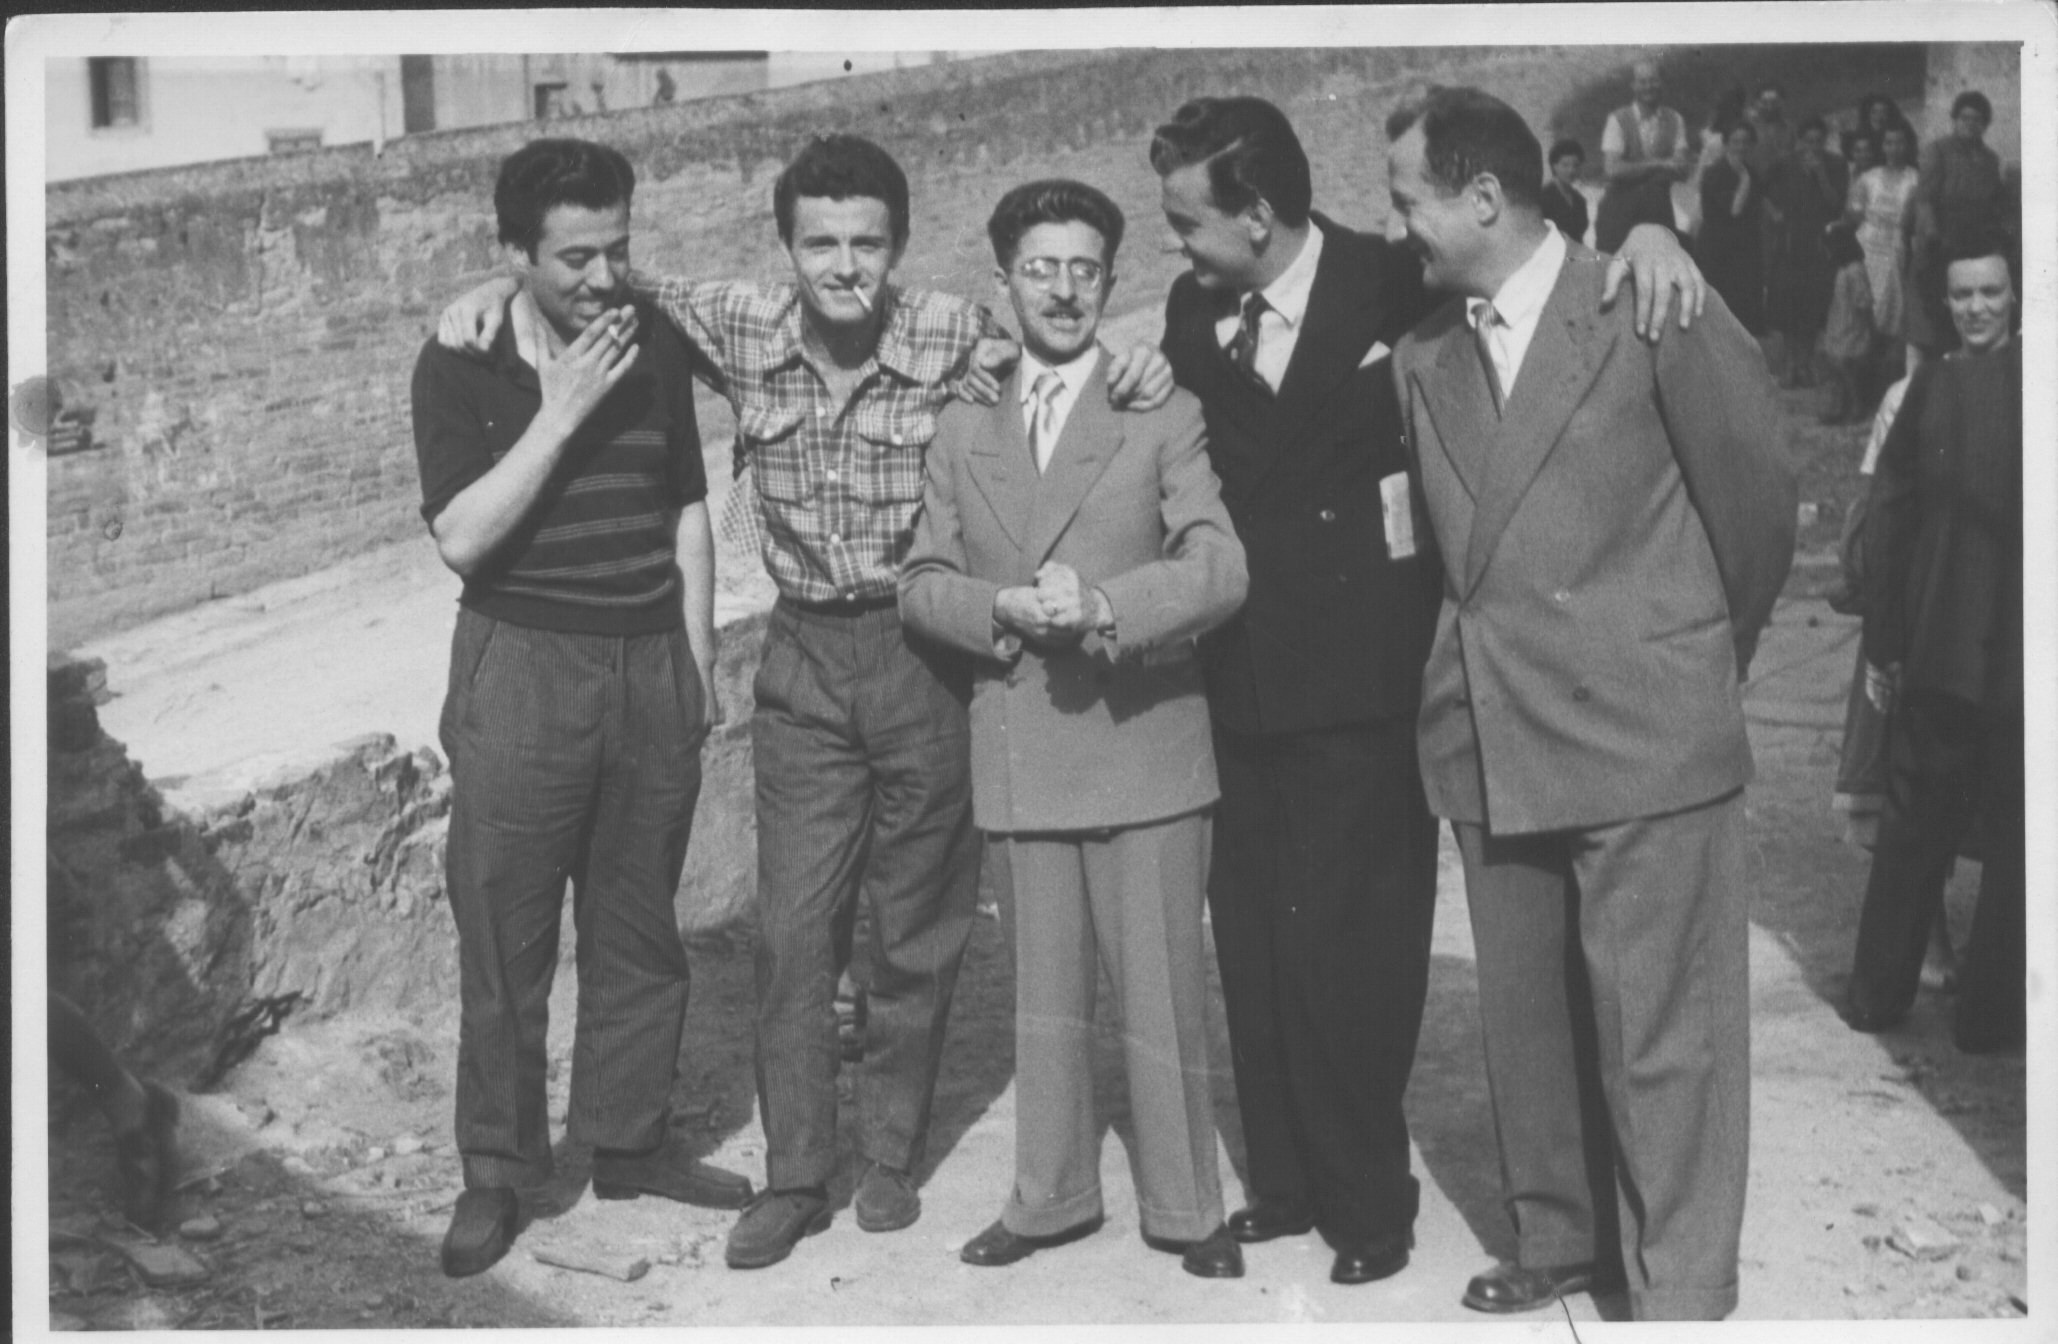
[(1340, 324), (1000, 464), (1564, 355), (1089, 441), (1461, 404)]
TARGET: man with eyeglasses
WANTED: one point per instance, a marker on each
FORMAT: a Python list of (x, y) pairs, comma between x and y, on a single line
[(1073, 554)]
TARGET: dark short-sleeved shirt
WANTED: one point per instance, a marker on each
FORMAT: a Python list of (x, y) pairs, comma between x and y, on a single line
[(597, 553)]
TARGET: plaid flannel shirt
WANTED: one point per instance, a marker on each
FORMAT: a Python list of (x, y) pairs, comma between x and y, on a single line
[(836, 488)]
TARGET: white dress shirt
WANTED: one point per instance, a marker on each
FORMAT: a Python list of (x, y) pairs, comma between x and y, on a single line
[(1279, 328), (1072, 375), (1520, 301)]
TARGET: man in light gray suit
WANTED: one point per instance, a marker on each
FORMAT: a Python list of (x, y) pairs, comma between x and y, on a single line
[(1616, 521), (1075, 553)]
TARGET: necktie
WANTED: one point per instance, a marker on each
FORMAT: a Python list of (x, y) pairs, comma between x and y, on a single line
[(1243, 346), (1042, 440), (1482, 335)]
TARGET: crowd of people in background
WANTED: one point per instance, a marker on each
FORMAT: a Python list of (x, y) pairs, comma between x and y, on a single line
[(1774, 208)]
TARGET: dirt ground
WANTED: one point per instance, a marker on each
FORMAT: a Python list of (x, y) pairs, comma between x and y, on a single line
[(1887, 1177)]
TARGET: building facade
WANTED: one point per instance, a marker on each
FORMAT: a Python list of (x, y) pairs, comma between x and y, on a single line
[(116, 114)]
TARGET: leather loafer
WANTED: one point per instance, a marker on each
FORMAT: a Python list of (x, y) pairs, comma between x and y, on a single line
[(1263, 1219), (481, 1230), (1376, 1258), (1509, 1288), (773, 1225), (667, 1171), (886, 1200), (1215, 1256), (997, 1246)]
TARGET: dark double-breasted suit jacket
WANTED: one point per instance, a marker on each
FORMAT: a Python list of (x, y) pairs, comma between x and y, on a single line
[(1336, 625)]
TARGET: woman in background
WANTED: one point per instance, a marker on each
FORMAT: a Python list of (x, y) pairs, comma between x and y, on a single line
[(1878, 205), (1804, 195), (1959, 193), (1943, 650), (1729, 247)]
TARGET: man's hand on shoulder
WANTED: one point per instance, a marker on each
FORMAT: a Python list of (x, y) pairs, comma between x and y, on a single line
[(1653, 258), (473, 321), (993, 359), (1139, 379)]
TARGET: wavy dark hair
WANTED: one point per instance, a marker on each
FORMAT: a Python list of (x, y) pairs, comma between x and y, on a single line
[(544, 174), (839, 167), (1251, 152), (1054, 200)]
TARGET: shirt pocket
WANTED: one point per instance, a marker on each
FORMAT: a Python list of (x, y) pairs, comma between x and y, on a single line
[(895, 444), (771, 437)]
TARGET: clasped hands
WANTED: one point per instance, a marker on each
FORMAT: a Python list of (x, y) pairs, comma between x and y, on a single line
[(1057, 612)]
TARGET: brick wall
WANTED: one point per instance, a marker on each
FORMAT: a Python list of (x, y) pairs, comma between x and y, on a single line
[(243, 332)]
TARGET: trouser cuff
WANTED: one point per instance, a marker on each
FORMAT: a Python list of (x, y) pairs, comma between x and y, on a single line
[(484, 1171), (1047, 1220), (1682, 1304)]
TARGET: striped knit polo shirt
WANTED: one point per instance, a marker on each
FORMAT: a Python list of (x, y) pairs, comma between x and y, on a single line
[(597, 553)]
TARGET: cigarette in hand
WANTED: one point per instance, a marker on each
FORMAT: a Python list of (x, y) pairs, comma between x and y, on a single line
[(859, 290)]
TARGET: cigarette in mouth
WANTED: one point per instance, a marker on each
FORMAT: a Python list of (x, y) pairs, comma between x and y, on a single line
[(860, 292)]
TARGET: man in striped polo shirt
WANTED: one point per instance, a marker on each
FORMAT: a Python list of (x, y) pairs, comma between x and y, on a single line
[(558, 474)]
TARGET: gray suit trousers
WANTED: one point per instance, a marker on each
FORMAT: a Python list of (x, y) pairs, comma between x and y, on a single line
[(1127, 901), (864, 792), (1653, 912)]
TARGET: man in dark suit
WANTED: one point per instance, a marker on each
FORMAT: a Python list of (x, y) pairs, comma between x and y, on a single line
[(1073, 553), (1324, 873), (1615, 523)]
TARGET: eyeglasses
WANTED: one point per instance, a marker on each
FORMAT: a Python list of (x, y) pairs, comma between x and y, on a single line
[(1042, 272)]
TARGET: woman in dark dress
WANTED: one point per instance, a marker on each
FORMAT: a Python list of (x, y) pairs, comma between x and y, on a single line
[(1943, 651), (1728, 248), (1804, 196)]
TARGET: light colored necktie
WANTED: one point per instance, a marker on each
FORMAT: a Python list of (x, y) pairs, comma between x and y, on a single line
[(1042, 438), (1483, 336)]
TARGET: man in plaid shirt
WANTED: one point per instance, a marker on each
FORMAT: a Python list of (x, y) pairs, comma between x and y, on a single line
[(860, 733)]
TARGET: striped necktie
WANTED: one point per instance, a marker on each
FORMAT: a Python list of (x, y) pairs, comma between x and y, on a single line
[(1243, 346)]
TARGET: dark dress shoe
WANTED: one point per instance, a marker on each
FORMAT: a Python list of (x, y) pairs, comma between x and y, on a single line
[(997, 1246), (1215, 1256), (481, 1230), (1860, 1017), (774, 1224), (1508, 1288), (1263, 1219), (666, 1170), (1375, 1258)]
